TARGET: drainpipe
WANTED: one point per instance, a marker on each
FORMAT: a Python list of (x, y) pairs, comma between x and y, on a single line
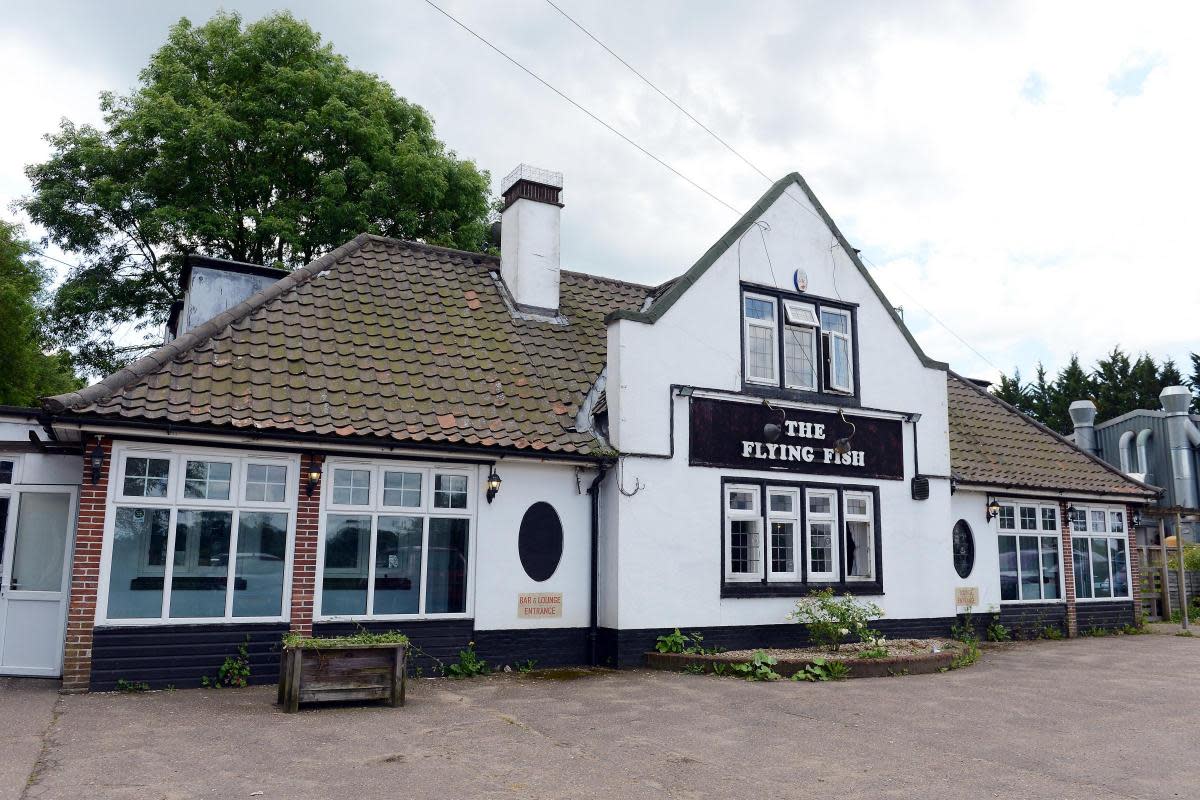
[(1182, 436), (594, 623), (1083, 415), (1143, 438), (1126, 456)]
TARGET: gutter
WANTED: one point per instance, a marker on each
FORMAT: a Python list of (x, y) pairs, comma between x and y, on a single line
[(594, 618)]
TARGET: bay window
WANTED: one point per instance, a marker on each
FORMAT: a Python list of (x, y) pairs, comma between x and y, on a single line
[(396, 540), (1099, 553), (195, 536), (1028, 550), (783, 537), (798, 345)]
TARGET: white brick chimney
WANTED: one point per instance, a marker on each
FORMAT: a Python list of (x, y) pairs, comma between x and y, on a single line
[(529, 237)]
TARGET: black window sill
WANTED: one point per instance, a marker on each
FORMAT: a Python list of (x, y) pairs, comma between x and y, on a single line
[(798, 590), (801, 395)]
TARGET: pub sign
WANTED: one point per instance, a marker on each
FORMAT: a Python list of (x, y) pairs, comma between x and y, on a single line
[(729, 434)]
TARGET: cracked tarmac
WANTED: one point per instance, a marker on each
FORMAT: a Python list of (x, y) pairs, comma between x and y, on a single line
[(1089, 718)]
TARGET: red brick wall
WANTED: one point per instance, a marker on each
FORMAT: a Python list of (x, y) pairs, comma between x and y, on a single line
[(304, 558), (1068, 561), (1135, 564), (85, 571)]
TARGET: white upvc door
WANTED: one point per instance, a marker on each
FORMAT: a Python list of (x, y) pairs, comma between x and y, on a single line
[(35, 578)]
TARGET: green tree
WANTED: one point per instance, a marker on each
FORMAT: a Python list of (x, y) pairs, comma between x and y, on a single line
[(1114, 385), (26, 372), (1071, 384), (1146, 382), (255, 143), (1041, 393), (1011, 391), (1169, 375), (1194, 380)]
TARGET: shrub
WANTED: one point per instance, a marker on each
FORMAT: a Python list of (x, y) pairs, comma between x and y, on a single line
[(831, 620)]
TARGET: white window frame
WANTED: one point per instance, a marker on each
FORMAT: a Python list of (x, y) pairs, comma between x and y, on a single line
[(375, 508), (1038, 531), (835, 555), (811, 333), (1107, 534), (792, 517), (848, 338), (743, 515), (174, 501), (773, 327), (867, 517)]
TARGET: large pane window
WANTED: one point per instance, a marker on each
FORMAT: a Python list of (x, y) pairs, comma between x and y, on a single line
[(743, 533), (1099, 554), (407, 552), (1029, 559), (822, 522), (860, 537), (783, 516), (185, 546)]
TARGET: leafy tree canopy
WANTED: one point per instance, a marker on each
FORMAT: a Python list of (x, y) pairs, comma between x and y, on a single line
[(26, 372), (1117, 384), (256, 143)]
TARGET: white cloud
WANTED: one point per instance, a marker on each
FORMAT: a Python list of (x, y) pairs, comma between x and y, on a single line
[(1023, 171)]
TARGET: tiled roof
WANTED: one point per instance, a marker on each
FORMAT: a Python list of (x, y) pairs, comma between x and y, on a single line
[(381, 339), (993, 444)]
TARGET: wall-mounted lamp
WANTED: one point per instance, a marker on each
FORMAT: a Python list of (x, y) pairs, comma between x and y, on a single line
[(773, 430), (685, 391), (993, 509), (1070, 511), (97, 461), (842, 445), (1136, 521), (493, 484), (914, 417), (314, 476)]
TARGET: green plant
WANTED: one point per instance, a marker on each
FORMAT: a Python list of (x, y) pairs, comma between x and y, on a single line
[(1191, 558), (1133, 630), (1098, 631), (964, 628), (878, 650), (998, 632), (469, 664), (206, 682), (1185, 633), (967, 656), (820, 669), (831, 620), (1052, 632), (695, 668), (720, 668), (236, 669), (528, 665), (363, 636), (896, 673), (758, 668), (676, 642), (132, 686)]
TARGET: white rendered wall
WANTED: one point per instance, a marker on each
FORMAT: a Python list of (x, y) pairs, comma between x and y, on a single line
[(670, 533), (499, 576), (972, 507), (529, 252)]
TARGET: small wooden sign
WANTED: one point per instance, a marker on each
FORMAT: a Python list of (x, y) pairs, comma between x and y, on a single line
[(539, 605), (966, 596)]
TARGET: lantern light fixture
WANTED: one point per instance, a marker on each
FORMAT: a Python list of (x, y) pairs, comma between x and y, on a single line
[(493, 484), (97, 462), (314, 476), (993, 509)]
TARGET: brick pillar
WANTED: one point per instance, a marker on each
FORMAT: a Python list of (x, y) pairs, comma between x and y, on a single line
[(85, 571), (1135, 565), (1068, 569), (304, 558)]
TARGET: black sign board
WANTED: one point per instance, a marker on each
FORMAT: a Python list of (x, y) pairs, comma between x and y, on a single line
[(728, 434)]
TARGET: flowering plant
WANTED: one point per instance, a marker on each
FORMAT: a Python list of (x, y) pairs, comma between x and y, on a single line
[(831, 620)]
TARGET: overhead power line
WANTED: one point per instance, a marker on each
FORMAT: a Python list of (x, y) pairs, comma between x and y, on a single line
[(663, 94), (655, 158), (564, 96)]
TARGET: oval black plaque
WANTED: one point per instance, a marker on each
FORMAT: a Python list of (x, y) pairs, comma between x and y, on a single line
[(540, 542), (964, 549)]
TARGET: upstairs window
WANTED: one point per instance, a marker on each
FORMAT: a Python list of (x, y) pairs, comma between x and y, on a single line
[(797, 345), (760, 339)]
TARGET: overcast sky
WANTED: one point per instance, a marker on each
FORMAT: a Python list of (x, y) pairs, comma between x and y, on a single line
[(1025, 173)]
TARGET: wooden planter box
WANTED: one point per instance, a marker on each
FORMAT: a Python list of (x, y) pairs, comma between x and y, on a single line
[(342, 672)]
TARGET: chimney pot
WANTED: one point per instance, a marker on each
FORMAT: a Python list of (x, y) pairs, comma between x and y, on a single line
[(1083, 415)]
